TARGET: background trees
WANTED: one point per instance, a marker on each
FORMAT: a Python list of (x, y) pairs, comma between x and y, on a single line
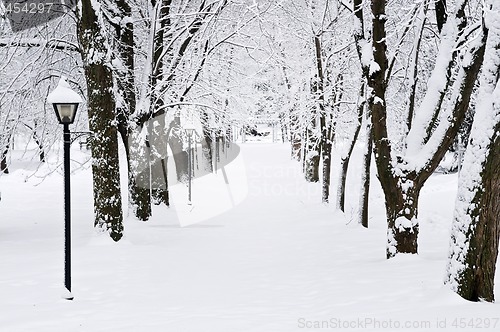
[(30, 60), (406, 69)]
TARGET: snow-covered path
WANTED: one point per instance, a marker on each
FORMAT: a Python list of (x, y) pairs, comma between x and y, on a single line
[(278, 261)]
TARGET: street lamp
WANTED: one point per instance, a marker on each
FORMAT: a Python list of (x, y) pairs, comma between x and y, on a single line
[(190, 130), (65, 102)]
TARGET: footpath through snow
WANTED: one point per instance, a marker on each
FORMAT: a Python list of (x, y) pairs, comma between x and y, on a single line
[(269, 259)]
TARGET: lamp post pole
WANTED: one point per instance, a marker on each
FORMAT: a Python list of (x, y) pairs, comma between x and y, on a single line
[(67, 211)]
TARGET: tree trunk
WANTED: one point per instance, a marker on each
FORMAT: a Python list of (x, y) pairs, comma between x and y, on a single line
[(476, 225), (218, 140), (401, 202), (476, 278), (327, 165), (159, 133), (344, 163), (283, 127), (177, 146), (206, 145), (5, 147), (139, 193), (3, 160), (102, 122), (140, 173), (313, 142), (39, 142), (441, 13), (4, 150), (402, 219), (158, 140), (365, 177), (312, 155), (295, 136)]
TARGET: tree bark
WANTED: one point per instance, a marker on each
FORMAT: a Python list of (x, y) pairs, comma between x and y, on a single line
[(327, 126), (4, 168), (139, 192), (312, 155), (476, 225), (295, 136), (326, 152), (39, 142), (441, 14), (366, 176), (4, 150), (476, 280), (102, 122)]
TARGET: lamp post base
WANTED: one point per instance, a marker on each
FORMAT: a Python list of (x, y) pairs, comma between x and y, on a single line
[(67, 295)]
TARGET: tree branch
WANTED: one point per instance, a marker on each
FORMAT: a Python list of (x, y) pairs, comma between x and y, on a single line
[(55, 44)]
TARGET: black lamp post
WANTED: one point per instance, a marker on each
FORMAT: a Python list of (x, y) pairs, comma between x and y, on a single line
[(65, 102), (190, 130)]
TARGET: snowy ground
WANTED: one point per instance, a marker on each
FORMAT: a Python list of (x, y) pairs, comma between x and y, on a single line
[(265, 257)]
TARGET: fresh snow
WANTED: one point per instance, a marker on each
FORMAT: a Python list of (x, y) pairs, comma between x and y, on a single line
[(273, 259), (63, 94)]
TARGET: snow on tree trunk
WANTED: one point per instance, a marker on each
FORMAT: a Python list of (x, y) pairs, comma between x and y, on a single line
[(101, 104), (295, 135), (402, 220), (476, 224)]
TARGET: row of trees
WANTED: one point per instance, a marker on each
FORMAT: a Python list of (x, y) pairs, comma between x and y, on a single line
[(417, 82), (406, 74), (140, 65)]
